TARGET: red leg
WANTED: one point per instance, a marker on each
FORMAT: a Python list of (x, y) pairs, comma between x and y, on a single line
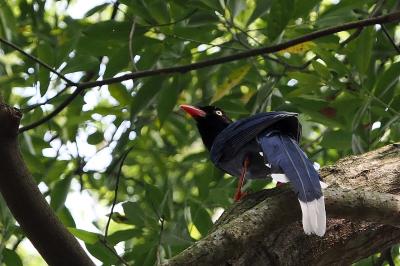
[(239, 194)]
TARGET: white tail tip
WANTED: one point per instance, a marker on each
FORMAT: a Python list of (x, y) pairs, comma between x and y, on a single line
[(323, 184), (314, 216)]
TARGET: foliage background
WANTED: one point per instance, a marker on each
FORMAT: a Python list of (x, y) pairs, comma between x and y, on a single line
[(345, 86)]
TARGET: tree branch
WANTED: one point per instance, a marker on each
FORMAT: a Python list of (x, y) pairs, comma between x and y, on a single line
[(271, 213), (237, 56), (38, 221), (392, 17), (395, 16), (53, 113)]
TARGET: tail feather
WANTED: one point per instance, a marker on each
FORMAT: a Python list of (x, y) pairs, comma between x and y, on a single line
[(283, 153)]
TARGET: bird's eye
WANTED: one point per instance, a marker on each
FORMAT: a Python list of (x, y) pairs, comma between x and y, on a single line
[(218, 112)]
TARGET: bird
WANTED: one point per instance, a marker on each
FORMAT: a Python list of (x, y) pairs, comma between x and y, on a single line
[(262, 145)]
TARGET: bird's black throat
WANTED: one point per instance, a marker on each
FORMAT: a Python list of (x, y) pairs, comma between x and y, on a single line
[(209, 128)]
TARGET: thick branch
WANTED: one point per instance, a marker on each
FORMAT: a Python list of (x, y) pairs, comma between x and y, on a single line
[(271, 213), (30, 209), (392, 17)]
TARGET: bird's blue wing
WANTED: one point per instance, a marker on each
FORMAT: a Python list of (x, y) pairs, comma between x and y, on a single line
[(229, 142)]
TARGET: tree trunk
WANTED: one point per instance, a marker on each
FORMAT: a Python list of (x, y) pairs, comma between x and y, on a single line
[(363, 209), (38, 221)]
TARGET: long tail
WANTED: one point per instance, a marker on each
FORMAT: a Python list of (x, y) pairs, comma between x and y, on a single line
[(284, 154)]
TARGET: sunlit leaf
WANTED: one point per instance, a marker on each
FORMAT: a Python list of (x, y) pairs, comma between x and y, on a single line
[(11, 258), (85, 236), (59, 193), (231, 81)]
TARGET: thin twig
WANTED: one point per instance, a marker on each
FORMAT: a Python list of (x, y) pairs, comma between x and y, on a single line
[(222, 45), (162, 220), (16, 244), (131, 33), (387, 34), (33, 106), (115, 9), (268, 57), (116, 191), (392, 17), (114, 252), (52, 114), (37, 60), (191, 13)]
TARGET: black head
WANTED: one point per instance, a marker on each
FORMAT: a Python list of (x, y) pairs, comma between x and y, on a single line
[(210, 121)]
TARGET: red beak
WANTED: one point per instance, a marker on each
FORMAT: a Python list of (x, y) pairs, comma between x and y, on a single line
[(193, 111)]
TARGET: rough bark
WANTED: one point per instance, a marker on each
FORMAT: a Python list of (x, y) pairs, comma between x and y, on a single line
[(363, 209), (56, 245)]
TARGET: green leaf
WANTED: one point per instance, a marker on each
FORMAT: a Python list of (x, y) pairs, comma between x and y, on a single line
[(145, 95), (158, 10), (363, 43), (212, 4), (56, 170), (305, 79), (74, 113), (85, 236), (322, 70), (139, 9), (120, 93), (81, 63), (200, 217), (169, 96), (119, 59), (101, 252), (11, 258), (96, 9), (331, 61), (279, 16), (231, 81), (166, 102), (303, 7), (45, 53), (236, 7), (261, 8), (134, 213), (338, 139), (386, 82), (95, 138), (59, 193), (66, 218), (202, 19), (123, 235), (7, 20)]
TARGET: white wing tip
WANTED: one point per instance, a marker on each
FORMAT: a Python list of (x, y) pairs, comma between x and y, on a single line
[(282, 178), (314, 216)]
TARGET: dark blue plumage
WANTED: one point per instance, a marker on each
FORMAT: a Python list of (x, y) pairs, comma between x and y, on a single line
[(261, 145), (283, 153), (239, 140)]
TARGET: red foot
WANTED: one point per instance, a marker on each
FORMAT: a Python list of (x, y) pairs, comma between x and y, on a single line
[(239, 194), (279, 184)]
